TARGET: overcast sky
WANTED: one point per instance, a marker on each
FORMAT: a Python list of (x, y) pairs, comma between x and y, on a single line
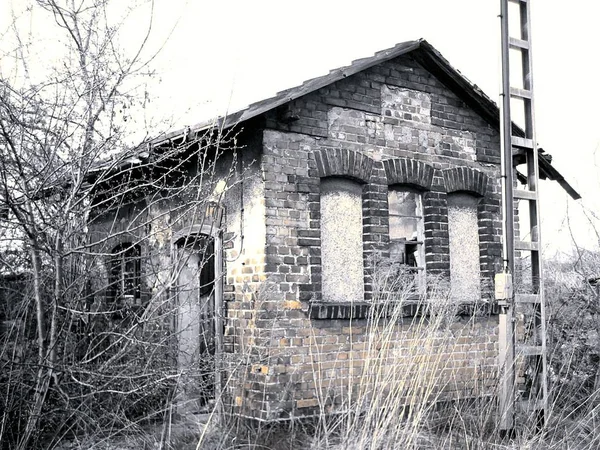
[(226, 54)]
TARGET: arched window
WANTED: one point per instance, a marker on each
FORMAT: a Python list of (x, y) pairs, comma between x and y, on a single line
[(125, 279), (342, 240)]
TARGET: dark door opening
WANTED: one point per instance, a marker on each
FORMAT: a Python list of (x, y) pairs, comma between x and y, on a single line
[(195, 321)]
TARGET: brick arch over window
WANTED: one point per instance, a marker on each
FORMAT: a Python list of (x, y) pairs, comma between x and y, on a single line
[(409, 172), (465, 179), (344, 163)]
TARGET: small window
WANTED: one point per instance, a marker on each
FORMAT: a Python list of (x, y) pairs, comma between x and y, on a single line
[(407, 233), (342, 240), (124, 283)]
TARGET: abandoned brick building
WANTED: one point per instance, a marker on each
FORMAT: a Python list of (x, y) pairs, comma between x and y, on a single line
[(396, 156)]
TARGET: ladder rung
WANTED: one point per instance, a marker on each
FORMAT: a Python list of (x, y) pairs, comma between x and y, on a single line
[(524, 195), (528, 246), (530, 350), (518, 43), (522, 142), (527, 298), (520, 93)]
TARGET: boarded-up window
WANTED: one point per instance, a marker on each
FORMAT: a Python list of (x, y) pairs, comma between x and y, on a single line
[(463, 232), (406, 235), (341, 240)]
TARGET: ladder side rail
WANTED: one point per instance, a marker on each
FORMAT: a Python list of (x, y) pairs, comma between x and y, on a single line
[(534, 211), (533, 349), (537, 340)]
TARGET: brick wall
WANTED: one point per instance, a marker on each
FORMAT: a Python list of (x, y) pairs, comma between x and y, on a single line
[(325, 366), (393, 123)]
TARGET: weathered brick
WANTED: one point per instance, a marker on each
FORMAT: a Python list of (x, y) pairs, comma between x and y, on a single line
[(292, 165)]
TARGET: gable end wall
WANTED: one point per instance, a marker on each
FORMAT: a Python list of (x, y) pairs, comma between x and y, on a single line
[(405, 126)]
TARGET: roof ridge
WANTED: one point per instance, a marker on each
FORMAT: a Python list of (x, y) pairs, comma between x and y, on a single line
[(424, 54)]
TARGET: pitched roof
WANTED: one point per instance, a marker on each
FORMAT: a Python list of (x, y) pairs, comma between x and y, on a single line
[(426, 55)]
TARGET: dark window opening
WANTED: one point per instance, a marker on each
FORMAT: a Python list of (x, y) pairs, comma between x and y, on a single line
[(406, 227)]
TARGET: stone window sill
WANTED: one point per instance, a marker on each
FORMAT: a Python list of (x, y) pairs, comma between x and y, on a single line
[(360, 310)]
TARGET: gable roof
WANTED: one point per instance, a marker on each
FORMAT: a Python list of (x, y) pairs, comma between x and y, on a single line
[(426, 55)]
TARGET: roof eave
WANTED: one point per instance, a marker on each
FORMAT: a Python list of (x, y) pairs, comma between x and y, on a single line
[(423, 52)]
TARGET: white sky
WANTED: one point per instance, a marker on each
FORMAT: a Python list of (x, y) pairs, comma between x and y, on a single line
[(229, 53)]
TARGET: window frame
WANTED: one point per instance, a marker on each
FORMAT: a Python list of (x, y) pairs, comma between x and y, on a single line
[(124, 271), (414, 246)]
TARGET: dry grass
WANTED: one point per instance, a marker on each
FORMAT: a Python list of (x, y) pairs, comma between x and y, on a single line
[(405, 406), (400, 401)]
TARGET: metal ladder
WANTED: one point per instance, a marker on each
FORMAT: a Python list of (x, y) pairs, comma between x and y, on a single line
[(522, 347)]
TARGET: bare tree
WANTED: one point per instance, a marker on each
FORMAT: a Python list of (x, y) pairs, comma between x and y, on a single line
[(78, 210)]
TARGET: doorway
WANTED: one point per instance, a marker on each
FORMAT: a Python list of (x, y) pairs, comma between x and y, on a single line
[(195, 321)]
